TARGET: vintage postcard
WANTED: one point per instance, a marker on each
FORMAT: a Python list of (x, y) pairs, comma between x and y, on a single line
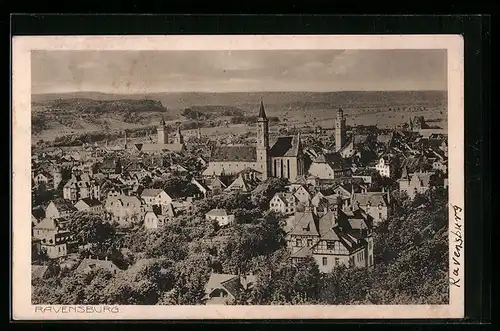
[(238, 177)]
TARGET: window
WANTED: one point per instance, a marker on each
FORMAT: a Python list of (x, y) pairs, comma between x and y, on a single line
[(325, 261), (337, 261), (330, 245), (379, 215), (309, 242), (298, 243)]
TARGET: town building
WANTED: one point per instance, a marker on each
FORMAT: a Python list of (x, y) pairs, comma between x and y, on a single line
[(221, 216), (283, 202), (222, 289), (332, 238), (282, 158)]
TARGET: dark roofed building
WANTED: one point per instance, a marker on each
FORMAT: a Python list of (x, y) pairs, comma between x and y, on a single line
[(283, 158)]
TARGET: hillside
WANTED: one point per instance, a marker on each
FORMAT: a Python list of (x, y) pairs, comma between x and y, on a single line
[(68, 113)]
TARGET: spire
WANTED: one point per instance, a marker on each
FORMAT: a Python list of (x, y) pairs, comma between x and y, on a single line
[(162, 122), (262, 112)]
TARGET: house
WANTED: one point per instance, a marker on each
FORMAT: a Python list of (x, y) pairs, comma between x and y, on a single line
[(157, 216), (441, 165), (418, 182), (80, 187), (300, 193), (88, 265), (375, 204), (54, 236), (217, 185), (329, 166), (243, 184), (222, 289), (220, 216), (157, 197), (91, 205), (386, 166), (332, 239), (185, 206), (204, 190), (124, 209), (283, 202), (42, 180), (59, 209)]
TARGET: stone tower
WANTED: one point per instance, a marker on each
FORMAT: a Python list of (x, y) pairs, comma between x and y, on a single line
[(340, 135), (263, 142), (57, 177), (162, 132)]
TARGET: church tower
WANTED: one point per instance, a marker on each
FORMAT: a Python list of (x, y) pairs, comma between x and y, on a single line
[(162, 133), (340, 135), (263, 142), (179, 139)]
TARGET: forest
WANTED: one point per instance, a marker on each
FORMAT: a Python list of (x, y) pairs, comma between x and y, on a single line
[(171, 265)]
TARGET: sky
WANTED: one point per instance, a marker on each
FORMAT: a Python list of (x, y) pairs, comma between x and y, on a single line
[(238, 71)]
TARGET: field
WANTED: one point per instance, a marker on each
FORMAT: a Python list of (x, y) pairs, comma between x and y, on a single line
[(62, 114)]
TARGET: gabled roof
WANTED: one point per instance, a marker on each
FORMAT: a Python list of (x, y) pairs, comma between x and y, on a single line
[(233, 153), (50, 224), (151, 148), (91, 202), (63, 206), (305, 224), (287, 146), (217, 212), (151, 192), (373, 198), (93, 264)]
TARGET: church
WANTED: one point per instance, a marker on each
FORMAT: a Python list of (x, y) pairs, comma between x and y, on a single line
[(163, 144), (283, 157)]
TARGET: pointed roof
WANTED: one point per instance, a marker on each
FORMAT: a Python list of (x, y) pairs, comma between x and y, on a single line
[(262, 112)]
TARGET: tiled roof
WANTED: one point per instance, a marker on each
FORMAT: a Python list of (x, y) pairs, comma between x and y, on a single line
[(217, 212), (305, 224), (95, 264), (150, 192), (91, 202), (159, 147), (63, 206), (285, 147), (234, 153), (375, 198)]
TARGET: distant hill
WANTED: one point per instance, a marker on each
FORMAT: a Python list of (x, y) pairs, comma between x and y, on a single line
[(183, 100), (68, 113)]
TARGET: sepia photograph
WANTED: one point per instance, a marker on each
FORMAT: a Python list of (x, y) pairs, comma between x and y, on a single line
[(234, 175)]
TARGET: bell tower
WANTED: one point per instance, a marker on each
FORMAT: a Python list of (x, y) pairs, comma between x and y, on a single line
[(162, 132), (340, 135), (263, 142)]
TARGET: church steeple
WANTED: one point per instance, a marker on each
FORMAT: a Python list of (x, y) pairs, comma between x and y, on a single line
[(262, 111), (263, 142)]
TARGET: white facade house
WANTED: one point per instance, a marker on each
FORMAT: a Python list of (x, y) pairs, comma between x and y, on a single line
[(220, 216)]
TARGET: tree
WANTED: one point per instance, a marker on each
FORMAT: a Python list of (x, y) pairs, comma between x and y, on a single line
[(279, 281)]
